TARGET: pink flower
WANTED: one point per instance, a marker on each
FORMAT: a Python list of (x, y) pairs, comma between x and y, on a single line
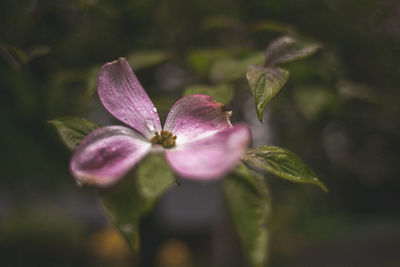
[(198, 140)]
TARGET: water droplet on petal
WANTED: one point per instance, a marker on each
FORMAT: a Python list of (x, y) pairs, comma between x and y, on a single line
[(149, 125), (154, 109)]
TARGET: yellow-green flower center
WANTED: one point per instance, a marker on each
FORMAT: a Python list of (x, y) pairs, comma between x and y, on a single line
[(166, 139)]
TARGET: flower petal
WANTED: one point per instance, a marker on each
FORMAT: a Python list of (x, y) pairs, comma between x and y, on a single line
[(212, 156), (106, 154), (124, 97), (195, 115)]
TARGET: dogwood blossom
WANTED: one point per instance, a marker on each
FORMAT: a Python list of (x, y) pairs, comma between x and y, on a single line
[(198, 139)]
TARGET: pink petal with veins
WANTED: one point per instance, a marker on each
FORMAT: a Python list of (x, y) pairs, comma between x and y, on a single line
[(210, 157), (196, 115), (123, 96), (107, 154)]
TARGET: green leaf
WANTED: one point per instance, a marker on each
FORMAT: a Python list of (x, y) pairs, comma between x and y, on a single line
[(249, 201), (221, 93), (282, 163), (144, 59), (271, 26), (73, 129), (288, 48), (154, 176), (201, 60), (222, 22), (127, 201), (265, 83), (39, 51), (320, 97), (14, 56), (232, 68), (350, 90), (91, 80)]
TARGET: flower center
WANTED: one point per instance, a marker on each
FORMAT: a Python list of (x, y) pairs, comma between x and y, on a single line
[(166, 139)]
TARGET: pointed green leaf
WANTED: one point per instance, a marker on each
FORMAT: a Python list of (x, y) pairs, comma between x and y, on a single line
[(288, 48), (282, 163), (265, 83), (126, 202), (73, 129), (249, 202), (221, 93)]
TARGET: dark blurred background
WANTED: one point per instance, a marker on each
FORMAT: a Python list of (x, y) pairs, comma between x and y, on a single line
[(339, 111)]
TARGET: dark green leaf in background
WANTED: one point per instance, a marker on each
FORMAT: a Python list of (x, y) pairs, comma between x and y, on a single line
[(319, 97), (14, 56), (73, 129), (231, 69), (221, 93), (282, 163), (223, 22), (17, 57), (249, 202), (91, 80), (201, 60), (288, 48), (265, 83), (147, 58), (126, 202), (271, 26)]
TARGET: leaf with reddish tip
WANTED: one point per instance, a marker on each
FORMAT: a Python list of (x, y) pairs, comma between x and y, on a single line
[(288, 48)]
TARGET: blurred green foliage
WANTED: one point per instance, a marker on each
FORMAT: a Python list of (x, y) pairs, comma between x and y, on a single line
[(129, 200), (249, 202), (339, 110)]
